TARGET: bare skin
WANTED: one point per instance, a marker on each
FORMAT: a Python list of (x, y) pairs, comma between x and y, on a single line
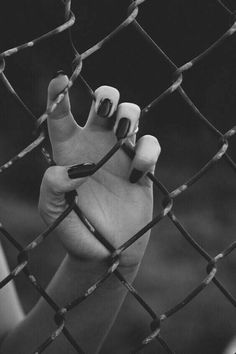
[(116, 207)]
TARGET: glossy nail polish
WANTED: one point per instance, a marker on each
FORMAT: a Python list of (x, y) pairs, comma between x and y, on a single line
[(123, 128), (135, 175), (104, 108), (81, 170)]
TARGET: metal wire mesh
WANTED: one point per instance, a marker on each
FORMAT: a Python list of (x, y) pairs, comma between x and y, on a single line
[(168, 197)]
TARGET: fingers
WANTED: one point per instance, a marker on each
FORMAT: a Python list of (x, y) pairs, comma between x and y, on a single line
[(107, 99), (56, 182), (126, 120), (147, 152), (104, 106), (101, 115), (61, 123)]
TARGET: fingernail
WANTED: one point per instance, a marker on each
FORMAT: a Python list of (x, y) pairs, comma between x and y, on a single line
[(135, 175), (58, 73), (82, 170), (104, 108), (123, 128)]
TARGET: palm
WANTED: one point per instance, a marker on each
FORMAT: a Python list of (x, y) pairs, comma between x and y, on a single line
[(117, 208)]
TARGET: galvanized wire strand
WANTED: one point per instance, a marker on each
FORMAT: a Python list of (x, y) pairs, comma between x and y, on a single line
[(178, 78), (61, 327), (133, 11), (23, 251), (36, 143), (211, 261), (22, 266), (93, 288), (65, 26), (230, 12), (211, 270), (8, 85), (191, 240), (206, 281), (113, 259), (33, 42), (167, 205)]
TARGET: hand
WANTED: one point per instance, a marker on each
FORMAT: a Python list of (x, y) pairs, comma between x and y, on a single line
[(114, 205)]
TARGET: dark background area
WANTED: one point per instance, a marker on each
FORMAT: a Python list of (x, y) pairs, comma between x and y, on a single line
[(171, 268)]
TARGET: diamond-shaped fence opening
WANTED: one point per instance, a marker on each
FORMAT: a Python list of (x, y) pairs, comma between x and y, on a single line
[(221, 155)]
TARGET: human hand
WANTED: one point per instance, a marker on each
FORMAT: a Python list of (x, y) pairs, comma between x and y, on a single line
[(115, 206)]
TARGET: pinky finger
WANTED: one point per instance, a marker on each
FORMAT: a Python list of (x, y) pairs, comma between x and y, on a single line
[(147, 152)]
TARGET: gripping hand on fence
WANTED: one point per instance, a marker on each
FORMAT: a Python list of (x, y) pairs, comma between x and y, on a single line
[(114, 205), (118, 202)]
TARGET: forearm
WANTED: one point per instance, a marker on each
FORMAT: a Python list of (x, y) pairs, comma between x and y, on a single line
[(89, 322), (11, 312)]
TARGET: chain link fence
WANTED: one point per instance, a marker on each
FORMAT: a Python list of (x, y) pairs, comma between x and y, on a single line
[(168, 197)]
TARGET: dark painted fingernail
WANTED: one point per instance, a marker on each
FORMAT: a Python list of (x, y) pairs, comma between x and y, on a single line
[(104, 108), (123, 128), (135, 175), (58, 73), (82, 170)]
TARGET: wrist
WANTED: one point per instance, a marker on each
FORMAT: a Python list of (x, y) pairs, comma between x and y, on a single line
[(92, 270)]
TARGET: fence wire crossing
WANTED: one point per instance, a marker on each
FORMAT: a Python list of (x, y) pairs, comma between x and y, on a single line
[(168, 197)]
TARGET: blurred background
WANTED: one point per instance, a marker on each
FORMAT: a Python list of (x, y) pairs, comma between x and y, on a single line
[(171, 268)]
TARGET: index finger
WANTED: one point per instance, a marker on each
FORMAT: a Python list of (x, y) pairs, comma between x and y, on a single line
[(61, 123)]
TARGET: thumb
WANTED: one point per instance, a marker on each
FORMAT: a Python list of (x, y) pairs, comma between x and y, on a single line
[(55, 184), (61, 123)]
